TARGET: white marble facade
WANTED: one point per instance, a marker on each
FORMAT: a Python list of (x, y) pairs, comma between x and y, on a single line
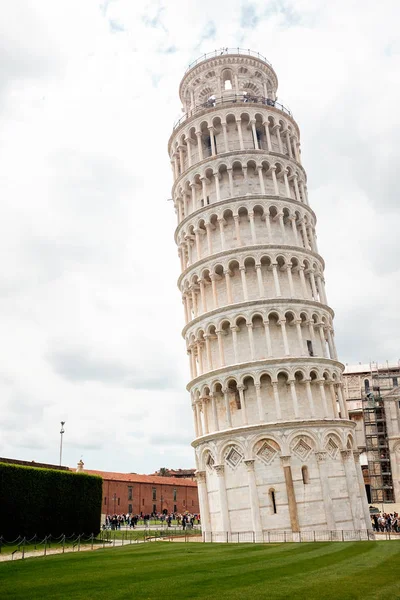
[(274, 446)]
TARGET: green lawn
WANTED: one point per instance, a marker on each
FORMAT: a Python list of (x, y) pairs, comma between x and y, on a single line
[(162, 570)]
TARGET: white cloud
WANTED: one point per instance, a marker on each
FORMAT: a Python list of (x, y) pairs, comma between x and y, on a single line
[(88, 96)]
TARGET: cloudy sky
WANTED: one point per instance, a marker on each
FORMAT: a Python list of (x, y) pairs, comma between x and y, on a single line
[(90, 315)]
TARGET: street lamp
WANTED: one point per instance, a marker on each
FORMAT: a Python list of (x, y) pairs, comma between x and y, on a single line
[(61, 439)]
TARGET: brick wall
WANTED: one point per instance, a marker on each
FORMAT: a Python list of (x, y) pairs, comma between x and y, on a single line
[(116, 497)]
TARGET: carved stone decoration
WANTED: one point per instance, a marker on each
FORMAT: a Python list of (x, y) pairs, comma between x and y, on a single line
[(302, 450), (267, 453), (233, 457), (332, 448), (321, 456), (210, 461)]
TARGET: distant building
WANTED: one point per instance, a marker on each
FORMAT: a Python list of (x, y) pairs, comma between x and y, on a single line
[(177, 473), (133, 493), (372, 393)]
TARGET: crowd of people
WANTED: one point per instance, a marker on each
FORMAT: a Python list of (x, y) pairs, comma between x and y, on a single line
[(386, 522), (186, 520)]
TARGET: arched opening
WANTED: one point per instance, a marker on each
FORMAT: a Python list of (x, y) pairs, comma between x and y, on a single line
[(272, 496), (305, 475), (226, 77)]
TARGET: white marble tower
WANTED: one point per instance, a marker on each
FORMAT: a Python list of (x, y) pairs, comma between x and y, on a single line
[(274, 445)]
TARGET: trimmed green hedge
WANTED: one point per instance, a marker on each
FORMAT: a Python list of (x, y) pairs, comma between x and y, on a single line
[(47, 501)]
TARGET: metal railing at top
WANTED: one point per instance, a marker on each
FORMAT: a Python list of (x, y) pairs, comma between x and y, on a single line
[(233, 99), (223, 51)]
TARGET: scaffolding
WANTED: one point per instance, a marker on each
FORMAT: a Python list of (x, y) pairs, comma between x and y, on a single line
[(376, 435)]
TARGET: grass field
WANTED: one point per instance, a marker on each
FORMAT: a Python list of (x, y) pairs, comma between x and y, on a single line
[(162, 570)]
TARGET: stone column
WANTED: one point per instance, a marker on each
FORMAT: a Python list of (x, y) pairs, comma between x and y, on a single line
[(189, 151), (220, 348), (252, 228), (295, 402), (351, 480), (274, 180), (230, 177), (342, 403), (208, 351), (289, 147), (259, 402), (268, 225), (282, 226), (225, 136), (310, 397), (197, 238), (300, 337), (221, 223), (290, 279), (243, 403), (239, 128), (198, 415), (196, 427), (294, 229), (276, 399), (214, 289), (204, 403), (363, 495), (268, 338), (287, 187), (253, 497), (333, 398), (254, 132), (303, 282), (268, 136), (228, 286), (278, 135), (217, 190), (223, 498), (203, 296), (260, 280), (282, 323), (261, 179), (321, 383), (237, 230), (251, 339), (214, 411), (199, 145), (234, 330), (244, 284), (287, 470), (212, 140), (227, 407), (330, 344), (326, 494), (204, 189), (276, 280), (203, 501), (209, 240)]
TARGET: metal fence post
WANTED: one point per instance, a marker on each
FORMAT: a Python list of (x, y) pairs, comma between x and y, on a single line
[(45, 541), (284, 536), (342, 535), (63, 543), (92, 541), (79, 542)]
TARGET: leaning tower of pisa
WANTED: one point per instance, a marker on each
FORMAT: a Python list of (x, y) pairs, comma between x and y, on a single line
[(275, 449)]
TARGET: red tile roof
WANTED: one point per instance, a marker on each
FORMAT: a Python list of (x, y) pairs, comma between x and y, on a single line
[(134, 478)]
